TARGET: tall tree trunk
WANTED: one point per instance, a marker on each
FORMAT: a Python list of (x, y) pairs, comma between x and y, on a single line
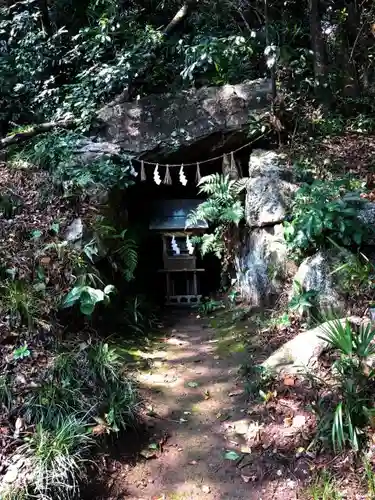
[(317, 45), (46, 22), (273, 68)]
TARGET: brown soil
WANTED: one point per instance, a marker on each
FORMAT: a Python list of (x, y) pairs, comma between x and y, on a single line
[(196, 411)]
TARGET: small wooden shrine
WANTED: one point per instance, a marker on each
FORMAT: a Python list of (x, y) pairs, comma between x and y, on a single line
[(182, 283)]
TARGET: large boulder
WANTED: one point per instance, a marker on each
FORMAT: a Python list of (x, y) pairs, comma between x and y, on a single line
[(302, 352), (366, 215), (166, 122), (317, 273), (262, 265), (269, 190)]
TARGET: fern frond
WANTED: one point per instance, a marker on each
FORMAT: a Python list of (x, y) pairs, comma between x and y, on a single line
[(127, 253), (241, 185), (211, 244), (233, 214)]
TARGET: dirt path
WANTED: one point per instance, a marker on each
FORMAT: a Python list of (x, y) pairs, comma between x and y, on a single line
[(198, 412)]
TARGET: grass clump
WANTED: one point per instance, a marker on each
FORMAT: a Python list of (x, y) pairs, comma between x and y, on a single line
[(84, 393), (323, 487), (57, 457)]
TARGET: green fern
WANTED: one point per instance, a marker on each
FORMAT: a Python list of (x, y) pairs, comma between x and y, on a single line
[(222, 205), (222, 209), (127, 253)]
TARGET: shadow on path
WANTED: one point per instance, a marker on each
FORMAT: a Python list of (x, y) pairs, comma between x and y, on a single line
[(197, 410)]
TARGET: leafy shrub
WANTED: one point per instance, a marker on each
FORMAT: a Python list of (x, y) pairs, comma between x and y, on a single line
[(344, 424), (87, 298), (356, 275), (224, 57), (323, 212), (56, 153)]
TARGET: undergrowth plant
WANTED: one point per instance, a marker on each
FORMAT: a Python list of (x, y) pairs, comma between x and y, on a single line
[(304, 302), (323, 487), (344, 424), (356, 275), (369, 477), (208, 306), (323, 212)]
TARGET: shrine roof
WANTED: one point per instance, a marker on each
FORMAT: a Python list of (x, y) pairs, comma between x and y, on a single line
[(171, 215)]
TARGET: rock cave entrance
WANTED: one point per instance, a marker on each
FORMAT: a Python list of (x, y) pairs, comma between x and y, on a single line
[(140, 201)]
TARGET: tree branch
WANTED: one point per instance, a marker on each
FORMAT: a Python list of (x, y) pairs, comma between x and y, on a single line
[(179, 17), (33, 131), (177, 20)]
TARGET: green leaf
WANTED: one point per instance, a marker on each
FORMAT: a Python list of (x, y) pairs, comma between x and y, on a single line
[(192, 384), (39, 287), (36, 234), (87, 308), (55, 228), (338, 437), (109, 289), (72, 297), (232, 455)]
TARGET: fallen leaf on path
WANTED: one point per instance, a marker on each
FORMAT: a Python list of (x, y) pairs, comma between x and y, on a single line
[(148, 454), (267, 396), (288, 421), (299, 421), (245, 449), (235, 393), (245, 479), (207, 395), (232, 455), (19, 426), (193, 384), (289, 381), (222, 416), (99, 430)]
